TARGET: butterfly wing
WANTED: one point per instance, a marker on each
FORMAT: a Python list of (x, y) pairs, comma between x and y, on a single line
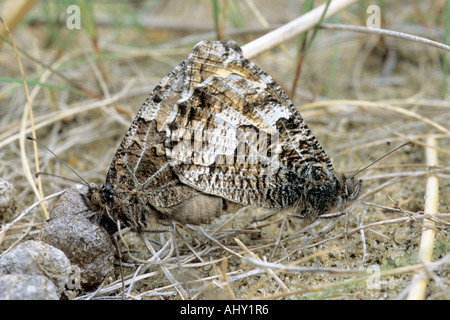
[(217, 124), (140, 162), (235, 133)]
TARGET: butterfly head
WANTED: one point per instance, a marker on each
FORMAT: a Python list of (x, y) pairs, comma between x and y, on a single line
[(326, 194), (350, 188), (339, 194), (99, 200)]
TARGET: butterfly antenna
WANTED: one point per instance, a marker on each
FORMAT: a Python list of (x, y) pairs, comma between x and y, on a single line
[(409, 143), (370, 156), (60, 159), (37, 174)]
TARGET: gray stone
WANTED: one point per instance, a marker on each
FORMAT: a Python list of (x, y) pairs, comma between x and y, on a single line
[(26, 287), (7, 200), (37, 258)]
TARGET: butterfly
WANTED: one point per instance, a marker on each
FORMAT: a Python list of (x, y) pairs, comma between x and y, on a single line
[(218, 133)]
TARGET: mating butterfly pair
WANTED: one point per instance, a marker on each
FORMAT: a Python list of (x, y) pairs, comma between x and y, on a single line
[(215, 134)]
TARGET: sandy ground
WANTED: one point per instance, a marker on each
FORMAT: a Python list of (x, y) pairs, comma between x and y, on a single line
[(373, 91)]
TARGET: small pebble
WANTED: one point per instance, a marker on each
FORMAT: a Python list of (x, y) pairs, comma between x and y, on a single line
[(37, 258), (7, 200), (27, 287)]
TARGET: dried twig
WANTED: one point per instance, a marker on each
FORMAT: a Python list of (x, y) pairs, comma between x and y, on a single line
[(389, 33), (418, 289), (291, 29), (8, 226)]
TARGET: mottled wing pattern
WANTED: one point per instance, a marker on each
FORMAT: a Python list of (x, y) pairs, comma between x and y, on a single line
[(140, 162), (218, 124), (235, 133)]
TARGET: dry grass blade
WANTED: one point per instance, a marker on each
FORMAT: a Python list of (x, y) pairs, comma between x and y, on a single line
[(169, 275), (13, 13), (28, 111), (418, 290), (390, 33), (8, 226), (377, 105), (293, 28), (268, 270), (51, 118)]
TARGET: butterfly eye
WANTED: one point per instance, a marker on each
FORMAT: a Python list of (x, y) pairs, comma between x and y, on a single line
[(352, 188), (349, 187), (95, 199), (107, 193)]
